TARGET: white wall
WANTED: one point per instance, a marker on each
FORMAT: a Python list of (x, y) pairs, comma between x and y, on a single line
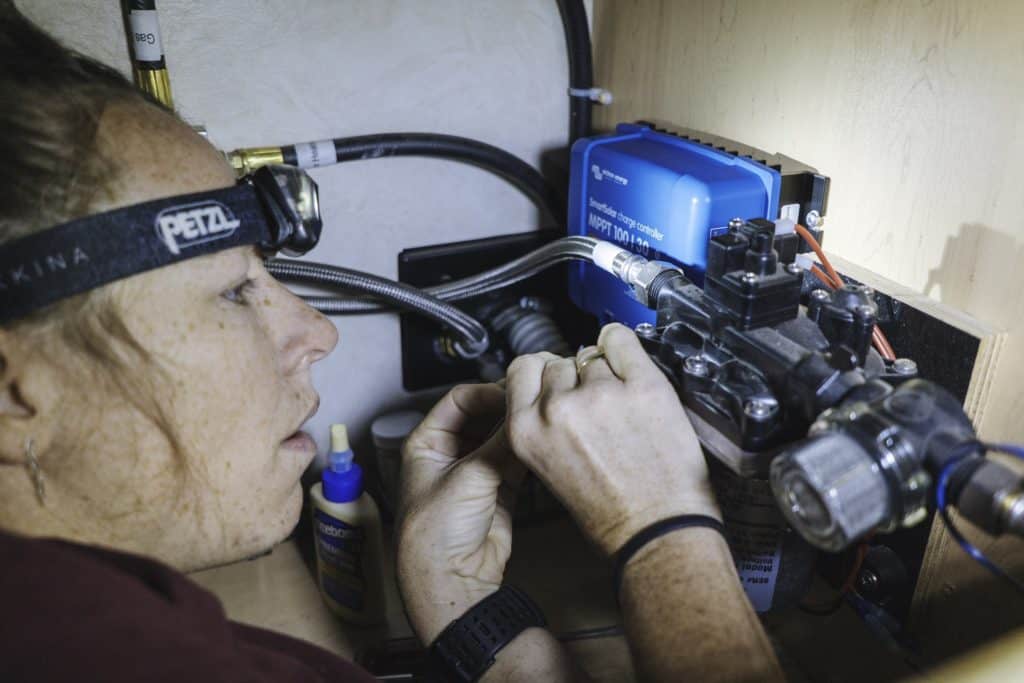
[(281, 71)]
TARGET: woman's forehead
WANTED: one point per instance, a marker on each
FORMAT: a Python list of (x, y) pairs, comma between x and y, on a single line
[(155, 155)]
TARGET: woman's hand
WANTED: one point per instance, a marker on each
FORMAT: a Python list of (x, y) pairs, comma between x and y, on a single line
[(454, 526), (611, 441)]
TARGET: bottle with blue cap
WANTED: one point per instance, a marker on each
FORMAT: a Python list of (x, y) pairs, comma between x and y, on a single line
[(347, 532)]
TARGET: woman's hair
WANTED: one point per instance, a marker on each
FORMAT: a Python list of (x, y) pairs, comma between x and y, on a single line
[(51, 101), (51, 168)]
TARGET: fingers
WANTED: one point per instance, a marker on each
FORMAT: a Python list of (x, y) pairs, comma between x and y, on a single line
[(625, 354), (525, 379), (440, 439), (468, 410), (494, 463), (593, 366), (559, 376)]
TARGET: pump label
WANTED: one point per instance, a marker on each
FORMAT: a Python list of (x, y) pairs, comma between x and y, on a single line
[(146, 35), (185, 226), (340, 549), (754, 528)]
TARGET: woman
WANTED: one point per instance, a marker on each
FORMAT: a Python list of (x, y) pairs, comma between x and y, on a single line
[(154, 421)]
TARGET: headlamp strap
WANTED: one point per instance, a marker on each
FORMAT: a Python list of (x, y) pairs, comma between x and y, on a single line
[(88, 252)]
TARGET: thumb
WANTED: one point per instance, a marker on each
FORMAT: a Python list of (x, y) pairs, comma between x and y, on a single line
[(491, 465)]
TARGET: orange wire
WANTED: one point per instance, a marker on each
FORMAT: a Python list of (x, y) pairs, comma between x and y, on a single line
[(848, 584), (833, 281)]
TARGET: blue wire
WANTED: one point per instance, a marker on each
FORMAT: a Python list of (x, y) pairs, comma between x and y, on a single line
[(941, 503)]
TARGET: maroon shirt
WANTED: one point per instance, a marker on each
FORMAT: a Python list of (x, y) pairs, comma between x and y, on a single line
[(76, 613)]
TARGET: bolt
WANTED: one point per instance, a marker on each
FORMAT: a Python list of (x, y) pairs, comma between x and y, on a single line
[(820, 295), (695, 365), (868, 581), (750, 277), (867, 291), (760, 408), (813, 219), (904, 366), (736, 223), (794, 269), (866, 311), (645, 330)]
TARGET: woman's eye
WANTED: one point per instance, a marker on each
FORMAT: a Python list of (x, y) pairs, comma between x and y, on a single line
[(236, 295)]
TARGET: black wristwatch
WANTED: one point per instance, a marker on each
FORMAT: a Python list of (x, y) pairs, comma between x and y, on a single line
[(467, 647)]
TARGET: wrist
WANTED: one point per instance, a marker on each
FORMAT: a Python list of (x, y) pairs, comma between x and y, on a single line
[(656, 531), (534, 655), (662, 554), (471, 647), (433, 601), (633, 522)]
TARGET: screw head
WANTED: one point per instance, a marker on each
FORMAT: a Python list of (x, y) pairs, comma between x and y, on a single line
[(760, 408), (695, 365), (813, 219), (904, 366), (645, 330), (794, 269), (868, 581), (820, 295), (750, 277), (736, 223)]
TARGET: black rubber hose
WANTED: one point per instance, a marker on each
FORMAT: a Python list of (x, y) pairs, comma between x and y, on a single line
[(488, 157), (581, 65)]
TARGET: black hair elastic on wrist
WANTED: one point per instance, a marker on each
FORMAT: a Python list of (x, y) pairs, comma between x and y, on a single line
[(657, 530)]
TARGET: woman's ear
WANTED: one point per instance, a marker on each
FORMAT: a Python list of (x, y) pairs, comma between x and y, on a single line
[(25, 386), (12, 403)]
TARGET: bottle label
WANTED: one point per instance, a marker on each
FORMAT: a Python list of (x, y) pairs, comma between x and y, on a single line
[(340, 549), (754, 528)]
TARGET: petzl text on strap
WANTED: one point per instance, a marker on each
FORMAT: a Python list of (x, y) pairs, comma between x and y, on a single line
[(88, 252)]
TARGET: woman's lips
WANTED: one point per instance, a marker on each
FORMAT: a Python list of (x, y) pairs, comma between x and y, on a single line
[(300, 441)]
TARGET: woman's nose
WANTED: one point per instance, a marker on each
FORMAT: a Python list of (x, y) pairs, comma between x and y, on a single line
[(311, 336)]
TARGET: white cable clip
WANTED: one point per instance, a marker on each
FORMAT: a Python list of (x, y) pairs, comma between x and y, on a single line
[(599, 95)]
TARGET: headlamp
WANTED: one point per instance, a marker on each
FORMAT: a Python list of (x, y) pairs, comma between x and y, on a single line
[(276, 208)]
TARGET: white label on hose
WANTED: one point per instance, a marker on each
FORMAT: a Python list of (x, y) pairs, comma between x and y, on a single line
[(314, 154), (146, 35), (604, 254), (754, 527)]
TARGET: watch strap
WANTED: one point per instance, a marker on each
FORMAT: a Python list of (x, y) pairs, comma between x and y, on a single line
[(468, 646)]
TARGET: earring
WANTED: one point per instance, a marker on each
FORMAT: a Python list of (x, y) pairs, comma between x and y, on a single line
[(35, 472)]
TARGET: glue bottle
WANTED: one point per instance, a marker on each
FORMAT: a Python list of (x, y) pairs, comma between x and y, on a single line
[(347, 533)]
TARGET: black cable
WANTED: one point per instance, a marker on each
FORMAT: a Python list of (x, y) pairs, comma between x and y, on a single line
[(581, 66), (488, 157)]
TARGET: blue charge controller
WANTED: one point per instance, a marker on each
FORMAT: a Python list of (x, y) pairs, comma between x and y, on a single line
[(663, 193)]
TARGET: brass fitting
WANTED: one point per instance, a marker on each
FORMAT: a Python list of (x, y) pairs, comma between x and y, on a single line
[(248, 159), (157, 83)]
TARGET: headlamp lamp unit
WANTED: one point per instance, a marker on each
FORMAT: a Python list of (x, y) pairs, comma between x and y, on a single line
[(276, 208)]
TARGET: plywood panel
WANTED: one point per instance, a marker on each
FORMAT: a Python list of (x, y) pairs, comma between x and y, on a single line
[(916, 111)]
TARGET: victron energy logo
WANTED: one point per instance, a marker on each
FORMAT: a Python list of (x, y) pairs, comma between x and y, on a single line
[(604, 174)]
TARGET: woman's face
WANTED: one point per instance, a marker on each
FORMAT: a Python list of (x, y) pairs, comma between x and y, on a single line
[(179, 438)]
